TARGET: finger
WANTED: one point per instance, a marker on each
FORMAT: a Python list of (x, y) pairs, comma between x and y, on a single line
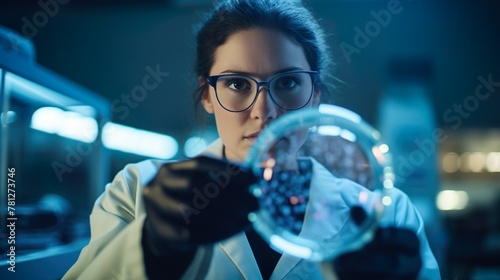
[(178, 184), (222, 190), (202, 163), (221, 207), (358, 214), (167, 230), (210, 200), (165, 206), (165, 177), (215, 168), (235, 198), (219, 227), (202, 192)]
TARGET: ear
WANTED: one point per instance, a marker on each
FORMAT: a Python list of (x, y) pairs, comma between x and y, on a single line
[(316, 98), (206, 100)]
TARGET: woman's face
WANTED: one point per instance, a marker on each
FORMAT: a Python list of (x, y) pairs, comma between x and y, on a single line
[(260, 54)]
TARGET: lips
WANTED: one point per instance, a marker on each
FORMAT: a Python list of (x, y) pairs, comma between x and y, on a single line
[(252, 136)]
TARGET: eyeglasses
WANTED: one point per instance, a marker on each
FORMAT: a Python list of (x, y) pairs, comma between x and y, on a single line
[(289, 90)]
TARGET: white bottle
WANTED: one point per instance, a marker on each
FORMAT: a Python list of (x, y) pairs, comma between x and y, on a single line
[(408, 125)]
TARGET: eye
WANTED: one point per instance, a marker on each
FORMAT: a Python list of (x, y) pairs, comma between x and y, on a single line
[(237, 84), (287, 82)]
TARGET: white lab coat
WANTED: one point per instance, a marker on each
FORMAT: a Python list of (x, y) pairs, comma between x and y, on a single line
[(116, 221)]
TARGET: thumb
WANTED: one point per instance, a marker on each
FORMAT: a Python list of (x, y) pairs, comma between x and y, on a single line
[(358, 214)]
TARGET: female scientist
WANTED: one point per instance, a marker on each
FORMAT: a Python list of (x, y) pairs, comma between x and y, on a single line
[(188, 219)]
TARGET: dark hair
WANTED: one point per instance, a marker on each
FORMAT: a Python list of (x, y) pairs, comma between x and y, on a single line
[(288, 16)]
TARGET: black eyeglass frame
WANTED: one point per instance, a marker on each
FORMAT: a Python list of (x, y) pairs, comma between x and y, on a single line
[(212, 80)]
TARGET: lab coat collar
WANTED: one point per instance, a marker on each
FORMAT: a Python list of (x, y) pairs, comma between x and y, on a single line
[(238, 250), (214, 149), (284, 267)]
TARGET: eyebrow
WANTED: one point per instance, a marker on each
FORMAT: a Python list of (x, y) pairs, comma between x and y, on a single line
[(232, 71)]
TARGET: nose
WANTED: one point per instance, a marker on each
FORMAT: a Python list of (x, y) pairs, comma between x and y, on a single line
[(264, 107)]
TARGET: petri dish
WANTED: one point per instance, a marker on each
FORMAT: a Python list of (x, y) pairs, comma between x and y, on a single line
[(322, 176)]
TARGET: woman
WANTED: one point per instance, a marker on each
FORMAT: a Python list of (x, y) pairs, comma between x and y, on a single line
[(188, 219)]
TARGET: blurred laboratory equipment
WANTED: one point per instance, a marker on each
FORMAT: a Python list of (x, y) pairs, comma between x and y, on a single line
[(52, 163)]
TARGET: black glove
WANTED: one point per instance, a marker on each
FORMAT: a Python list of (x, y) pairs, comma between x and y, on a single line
[(197, 201), (394, 253)]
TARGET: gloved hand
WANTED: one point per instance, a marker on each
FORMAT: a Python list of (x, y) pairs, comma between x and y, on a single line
[(394, 253), (197, 201)]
